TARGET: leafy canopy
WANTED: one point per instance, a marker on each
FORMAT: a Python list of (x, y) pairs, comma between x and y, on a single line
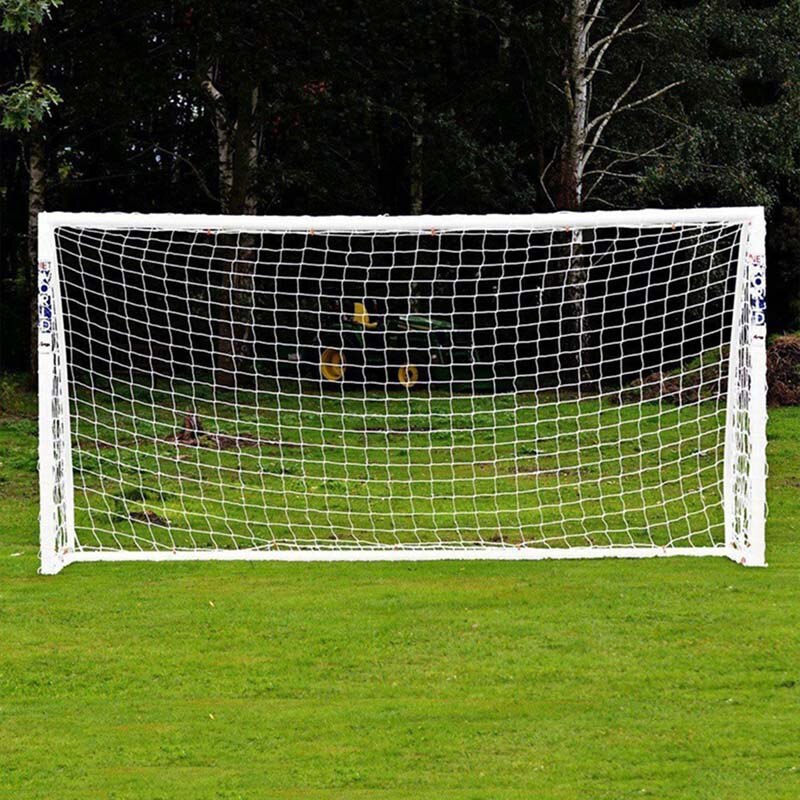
[(28, 102)]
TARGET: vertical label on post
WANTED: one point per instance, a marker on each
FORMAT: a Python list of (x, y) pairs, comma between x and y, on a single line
[(758, 294), (45, 306)]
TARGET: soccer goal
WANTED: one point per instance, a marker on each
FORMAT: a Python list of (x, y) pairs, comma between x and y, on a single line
[(353, 388)]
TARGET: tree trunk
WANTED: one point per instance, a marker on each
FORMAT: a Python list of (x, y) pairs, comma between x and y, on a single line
[(576, 89), (416, 155), (244, 154), (234, 330), (581, 371), (36, 199), (223, 135), (577, 339), (237, 153)]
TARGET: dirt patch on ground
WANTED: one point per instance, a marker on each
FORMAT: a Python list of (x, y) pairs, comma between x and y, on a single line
[(783, 371), (685, 388), (192, 434), (149, 518), (783, 379)]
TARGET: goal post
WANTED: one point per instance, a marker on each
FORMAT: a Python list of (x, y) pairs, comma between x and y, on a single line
[(746, 412), (568, 385), (56, 492)]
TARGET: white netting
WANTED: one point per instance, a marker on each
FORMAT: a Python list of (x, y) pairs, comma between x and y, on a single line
[(404, 390)]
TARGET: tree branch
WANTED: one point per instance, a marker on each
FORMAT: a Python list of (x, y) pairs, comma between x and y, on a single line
[(617, 108), (208, 86), (592, 16), (608, 170), (544, 174), (195, 171), (609, 40), (604, 41), (601, 120), (625, 157)]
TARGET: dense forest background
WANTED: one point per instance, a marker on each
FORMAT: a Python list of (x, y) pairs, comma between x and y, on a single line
[(380, 106)]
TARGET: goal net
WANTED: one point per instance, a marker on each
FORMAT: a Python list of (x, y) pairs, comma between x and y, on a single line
[(518, 387)]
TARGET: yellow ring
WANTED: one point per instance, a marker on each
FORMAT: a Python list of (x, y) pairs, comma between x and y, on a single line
[(408, 375), (331, 364)]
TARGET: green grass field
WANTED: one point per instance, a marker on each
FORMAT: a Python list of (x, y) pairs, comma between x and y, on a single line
[(274, 469), (673, 678)]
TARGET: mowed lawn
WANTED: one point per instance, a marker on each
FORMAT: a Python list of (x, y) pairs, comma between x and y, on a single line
[(675, 678), (183, 466)]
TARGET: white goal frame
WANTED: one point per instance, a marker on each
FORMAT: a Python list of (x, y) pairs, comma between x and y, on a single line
[(57, 525)]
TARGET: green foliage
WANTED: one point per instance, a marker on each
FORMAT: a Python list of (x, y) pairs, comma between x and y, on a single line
[(27, 104), (736, 114), (20, 16)]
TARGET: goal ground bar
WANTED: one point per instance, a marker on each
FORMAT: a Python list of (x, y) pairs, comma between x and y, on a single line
[(399, 554)]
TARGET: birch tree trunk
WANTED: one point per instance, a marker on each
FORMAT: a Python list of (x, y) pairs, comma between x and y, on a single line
[(577, 339), (576, 92)]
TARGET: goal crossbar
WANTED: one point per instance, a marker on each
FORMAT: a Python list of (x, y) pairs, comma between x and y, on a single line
[(573, 220)]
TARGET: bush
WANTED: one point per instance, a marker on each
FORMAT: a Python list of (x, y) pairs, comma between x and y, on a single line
[(783, 371)]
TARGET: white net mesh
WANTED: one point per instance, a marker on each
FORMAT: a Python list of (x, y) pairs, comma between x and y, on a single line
[(447, 389)]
